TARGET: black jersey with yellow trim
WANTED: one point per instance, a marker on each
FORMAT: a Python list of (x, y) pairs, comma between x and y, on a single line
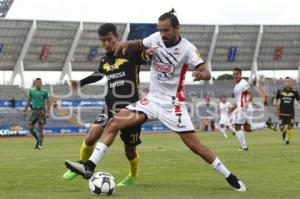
[(287, 97), (122, 72)]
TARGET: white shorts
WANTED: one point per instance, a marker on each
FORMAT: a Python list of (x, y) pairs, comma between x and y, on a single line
[(224, 120), (244, 116), (174, 117)]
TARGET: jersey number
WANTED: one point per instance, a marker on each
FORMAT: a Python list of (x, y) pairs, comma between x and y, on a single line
[(134, 138)]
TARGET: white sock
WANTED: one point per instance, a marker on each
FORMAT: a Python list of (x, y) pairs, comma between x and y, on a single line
[(98, 152), (218, 166), (224, 132), (256, 126), (242, 139)]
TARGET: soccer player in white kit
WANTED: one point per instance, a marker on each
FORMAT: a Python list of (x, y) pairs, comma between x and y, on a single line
[(243, 98), (224, 111), (165, 100)]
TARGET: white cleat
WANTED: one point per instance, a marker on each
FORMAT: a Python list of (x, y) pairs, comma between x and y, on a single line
[(242, 188)]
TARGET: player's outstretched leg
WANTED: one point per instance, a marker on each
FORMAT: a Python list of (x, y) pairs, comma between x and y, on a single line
[(194, 144), (134, 159), (86, 148), (123, 119)]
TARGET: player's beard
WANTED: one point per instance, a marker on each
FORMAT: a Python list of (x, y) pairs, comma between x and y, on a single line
[(169, 42)]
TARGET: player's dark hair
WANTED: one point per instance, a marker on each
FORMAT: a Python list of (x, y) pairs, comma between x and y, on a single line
[(238, 69), (38, 79), (106, 28), (287, 77), (170, 15)]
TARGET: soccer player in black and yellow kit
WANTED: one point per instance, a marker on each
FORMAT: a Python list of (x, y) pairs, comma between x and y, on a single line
[(122, 72), (286, 111)]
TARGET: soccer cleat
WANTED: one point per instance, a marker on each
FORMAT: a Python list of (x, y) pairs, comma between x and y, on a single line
[(127, 181), (243, 149), (38, 147), (287, 142), (237, 184), (271, 125), (80, 169), (69, 175)]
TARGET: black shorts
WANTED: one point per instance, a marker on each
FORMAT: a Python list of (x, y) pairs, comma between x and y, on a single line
[(130, 136), (286, 120)]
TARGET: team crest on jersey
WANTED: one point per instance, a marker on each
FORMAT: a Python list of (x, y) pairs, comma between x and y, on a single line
[(116, 66), (176, 51)]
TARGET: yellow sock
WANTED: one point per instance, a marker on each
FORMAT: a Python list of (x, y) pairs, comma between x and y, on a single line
[(134, 166), (85, 151), (289, 134)]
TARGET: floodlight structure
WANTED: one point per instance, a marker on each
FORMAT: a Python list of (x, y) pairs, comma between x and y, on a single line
[(4, 7)]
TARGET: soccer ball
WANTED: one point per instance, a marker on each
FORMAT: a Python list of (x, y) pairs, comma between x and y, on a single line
[(102, 183)]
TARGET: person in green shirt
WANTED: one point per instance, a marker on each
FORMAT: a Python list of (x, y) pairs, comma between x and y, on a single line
[(37, 99)]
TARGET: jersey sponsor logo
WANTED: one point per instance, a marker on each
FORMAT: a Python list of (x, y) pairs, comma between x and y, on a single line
[(287, 94), (165, 70), (117, 84), (116, 75), (116, 66), (163, 67)]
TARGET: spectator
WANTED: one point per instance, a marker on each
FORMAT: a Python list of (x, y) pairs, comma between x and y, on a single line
[(212, 125), (12, 103), (205, 124)]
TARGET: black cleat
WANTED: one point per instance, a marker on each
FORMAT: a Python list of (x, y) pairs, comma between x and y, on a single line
[(237, 184), (287, 142), (243, 149), (80, 168)]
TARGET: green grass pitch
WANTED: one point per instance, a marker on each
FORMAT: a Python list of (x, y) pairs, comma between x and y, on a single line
[(169, 170)]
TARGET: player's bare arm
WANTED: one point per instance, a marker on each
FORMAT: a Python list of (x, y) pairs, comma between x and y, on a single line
[(26, 106), (48, 108), (201, 73), (121, 47), (250, 99), (150, 52)]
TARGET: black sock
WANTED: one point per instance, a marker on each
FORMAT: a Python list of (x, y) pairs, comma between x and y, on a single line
[(90, 165)]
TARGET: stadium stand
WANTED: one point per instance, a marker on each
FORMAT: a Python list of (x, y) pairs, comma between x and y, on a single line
[(35, 45)]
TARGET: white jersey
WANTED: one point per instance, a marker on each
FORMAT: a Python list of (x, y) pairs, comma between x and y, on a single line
[(241, 94), (169, 66), (224, 109)]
